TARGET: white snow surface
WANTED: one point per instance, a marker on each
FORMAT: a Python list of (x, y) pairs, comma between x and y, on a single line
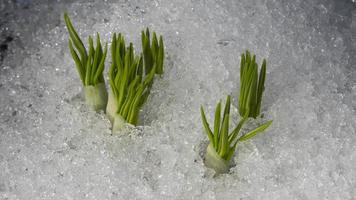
[(53, 147)]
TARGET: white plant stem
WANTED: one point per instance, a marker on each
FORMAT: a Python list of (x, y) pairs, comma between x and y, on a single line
[(111, 108), (215, 162), (117, 121), (96, 96), (118, 124)]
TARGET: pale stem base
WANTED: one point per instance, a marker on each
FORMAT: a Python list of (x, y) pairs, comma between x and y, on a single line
[(215, 162), (111, 108), (118, 124), (96, 96)]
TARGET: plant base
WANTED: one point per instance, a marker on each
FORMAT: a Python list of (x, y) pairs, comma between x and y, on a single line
[(96, 96), (111, 107), (118, 123), (215, 162)]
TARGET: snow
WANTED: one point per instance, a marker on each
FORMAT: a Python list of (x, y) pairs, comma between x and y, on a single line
[(53, 147)]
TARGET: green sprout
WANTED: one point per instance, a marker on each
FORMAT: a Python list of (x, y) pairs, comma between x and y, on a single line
[(90, 66), (223, 144), (251, 85), (152, 53), (130, 82)]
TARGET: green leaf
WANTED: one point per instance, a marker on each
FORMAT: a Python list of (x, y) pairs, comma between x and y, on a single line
[(148, 35), (160, 56), (119, 55), (236, 131), (149, 77), (253, 92), (255, 131), (224, 137), (123, 83), (96, 57), (231, 152), (112, 69), (113, 55), (242, 85), (132, 119), (76, 40), (217, 125), (132, 64), (130, 97), (133, 68), (261, 87), (89, 65), (140, 67), (87, 74), (154, 45), (242, 64), (147, 53), (222, 149), (100, 69), (206, 125), (248, 57), (227, 106), (118, 78), (145, 95), (78, 64)]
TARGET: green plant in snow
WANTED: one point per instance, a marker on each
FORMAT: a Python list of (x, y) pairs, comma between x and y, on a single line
[(251, 85), (90, 66), (223, 143), (153, 53), (130, 82)]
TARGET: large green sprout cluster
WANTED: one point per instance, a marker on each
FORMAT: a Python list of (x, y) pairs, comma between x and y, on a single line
[(130, 76), (129, 79)]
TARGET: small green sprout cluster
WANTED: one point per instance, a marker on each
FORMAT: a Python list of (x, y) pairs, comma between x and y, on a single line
[(252, 85), (130, 79), (130, 76), (90, 66), (153, 54), (222, 143)]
